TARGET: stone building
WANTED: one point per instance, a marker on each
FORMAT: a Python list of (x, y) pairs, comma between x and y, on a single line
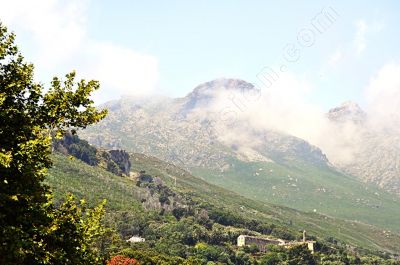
[(261, 242)]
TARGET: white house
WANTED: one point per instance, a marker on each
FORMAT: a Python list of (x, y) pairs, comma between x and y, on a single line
[(135, 239)]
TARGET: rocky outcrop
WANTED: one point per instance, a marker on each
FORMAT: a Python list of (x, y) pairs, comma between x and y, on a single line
[(115, 161), (121, 158)]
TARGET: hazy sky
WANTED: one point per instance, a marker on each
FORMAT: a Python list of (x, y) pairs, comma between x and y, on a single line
[(169, 47)]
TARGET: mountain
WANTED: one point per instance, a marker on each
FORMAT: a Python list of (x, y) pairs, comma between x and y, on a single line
[(376, 152), (203, 95), (264, 165), (348, 112), (167, 128)]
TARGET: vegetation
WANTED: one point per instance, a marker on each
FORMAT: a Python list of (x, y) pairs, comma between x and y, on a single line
[(185, 223), (122, 260), (308, 188), (353, 233), (81, 149), (32, 229)]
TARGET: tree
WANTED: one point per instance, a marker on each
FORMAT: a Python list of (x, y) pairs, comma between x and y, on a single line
[(29, 118), (79, 231), (122, 260)]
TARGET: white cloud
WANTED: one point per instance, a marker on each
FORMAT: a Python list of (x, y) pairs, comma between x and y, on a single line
[(335, 58), (53, 35), (359, 39), (125, 71), (53, 32), (283, 107), (383, 95), (362, 30)]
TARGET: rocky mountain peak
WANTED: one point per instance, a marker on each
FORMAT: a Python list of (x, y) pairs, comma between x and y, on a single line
[(204, 93), (222, 84), (347, 111)]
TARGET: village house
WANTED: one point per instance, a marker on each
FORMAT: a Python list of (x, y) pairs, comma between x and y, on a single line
[(135, 239)]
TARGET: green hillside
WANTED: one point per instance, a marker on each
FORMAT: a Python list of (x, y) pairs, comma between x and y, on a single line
[(308, 188), (124, 195)]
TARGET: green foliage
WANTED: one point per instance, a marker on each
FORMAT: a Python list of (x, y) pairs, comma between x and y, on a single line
[(151, 257), (271, 258), (195, 237), (224, 217), (253, 249), (67, 104), (300, 255), (78, 230), (29, 119)]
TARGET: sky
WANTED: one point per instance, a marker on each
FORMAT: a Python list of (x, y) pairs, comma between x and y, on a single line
[(340, 49)]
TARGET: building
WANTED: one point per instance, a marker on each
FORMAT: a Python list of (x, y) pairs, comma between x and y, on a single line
[(260, 242), (135, 239)]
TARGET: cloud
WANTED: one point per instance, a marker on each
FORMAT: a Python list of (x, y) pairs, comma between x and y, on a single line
[(285, 108), (359, 39), (362, 30), (123, 70), (335, 58), (282, 107), (239, 120), (53, 34), (50, 31), (383, 96)]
